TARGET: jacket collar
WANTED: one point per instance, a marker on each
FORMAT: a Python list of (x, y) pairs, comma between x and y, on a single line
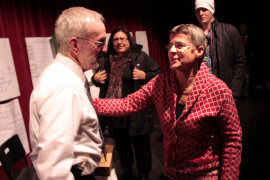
[(214, 25)]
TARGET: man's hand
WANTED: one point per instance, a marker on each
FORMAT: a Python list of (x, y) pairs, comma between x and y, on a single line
[(138, 74), (100, 77)]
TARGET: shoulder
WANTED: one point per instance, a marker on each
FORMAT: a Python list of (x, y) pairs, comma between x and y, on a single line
[(210, 81), (58, 76), (140, 53), (143, 57), (217, 86), (227, 27), (137, 51)]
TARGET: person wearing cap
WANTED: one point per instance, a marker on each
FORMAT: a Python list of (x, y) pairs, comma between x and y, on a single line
[(225, 55)]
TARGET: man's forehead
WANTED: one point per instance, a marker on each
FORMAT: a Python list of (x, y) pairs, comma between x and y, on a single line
[(98, 29)]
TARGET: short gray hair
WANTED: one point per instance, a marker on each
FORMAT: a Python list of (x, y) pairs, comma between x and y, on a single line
[(197, 37), (72, 23)]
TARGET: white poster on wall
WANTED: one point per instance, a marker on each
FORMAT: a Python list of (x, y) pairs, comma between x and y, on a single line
[(11, 122), (40, 52), (9, 87), (141, 38)]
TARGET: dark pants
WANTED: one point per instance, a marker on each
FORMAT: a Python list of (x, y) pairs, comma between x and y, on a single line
[(142, 149), (77, 174)]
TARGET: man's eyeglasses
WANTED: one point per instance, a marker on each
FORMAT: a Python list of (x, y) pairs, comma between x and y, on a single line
[(120, 39), (178, 45), (100, 44)]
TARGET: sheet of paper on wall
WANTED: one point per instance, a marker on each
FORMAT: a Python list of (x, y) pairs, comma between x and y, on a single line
[(93, 89), (11, 122), (108, 35), (141, 38), (9, 87), (40, 52)]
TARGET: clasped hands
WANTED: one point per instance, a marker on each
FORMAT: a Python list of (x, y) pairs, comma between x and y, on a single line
[(137, 74)]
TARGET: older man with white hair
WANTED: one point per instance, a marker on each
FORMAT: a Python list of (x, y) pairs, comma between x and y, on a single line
[(64, 129)]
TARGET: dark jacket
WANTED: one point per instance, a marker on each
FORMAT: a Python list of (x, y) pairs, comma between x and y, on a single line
[(143, 122), (228, 56)]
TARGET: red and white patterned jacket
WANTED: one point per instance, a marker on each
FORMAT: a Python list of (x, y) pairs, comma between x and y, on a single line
[(205, 142)]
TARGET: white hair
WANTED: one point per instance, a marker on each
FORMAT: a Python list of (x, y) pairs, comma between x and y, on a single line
[(73, 22)]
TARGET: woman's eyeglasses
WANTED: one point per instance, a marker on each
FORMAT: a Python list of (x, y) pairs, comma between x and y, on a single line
[(120, 39), (178, 45)]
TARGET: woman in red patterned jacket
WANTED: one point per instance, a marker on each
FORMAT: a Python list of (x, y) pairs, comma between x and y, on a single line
[(201, 129)]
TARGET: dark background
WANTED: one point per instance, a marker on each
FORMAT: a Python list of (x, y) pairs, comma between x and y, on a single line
[(35, 18)]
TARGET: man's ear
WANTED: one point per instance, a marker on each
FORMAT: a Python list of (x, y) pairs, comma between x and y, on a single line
[(200, 51), (73, 45)]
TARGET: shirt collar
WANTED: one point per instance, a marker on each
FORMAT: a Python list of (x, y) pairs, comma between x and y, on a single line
[(71, 65)]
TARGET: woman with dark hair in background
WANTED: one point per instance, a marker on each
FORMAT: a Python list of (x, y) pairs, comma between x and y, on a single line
[(123, 70)]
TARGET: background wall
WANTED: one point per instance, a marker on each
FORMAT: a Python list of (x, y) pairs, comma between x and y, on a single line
[(35, 18)]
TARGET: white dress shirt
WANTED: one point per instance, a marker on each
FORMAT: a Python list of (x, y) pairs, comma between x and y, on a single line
[(63, 123)]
